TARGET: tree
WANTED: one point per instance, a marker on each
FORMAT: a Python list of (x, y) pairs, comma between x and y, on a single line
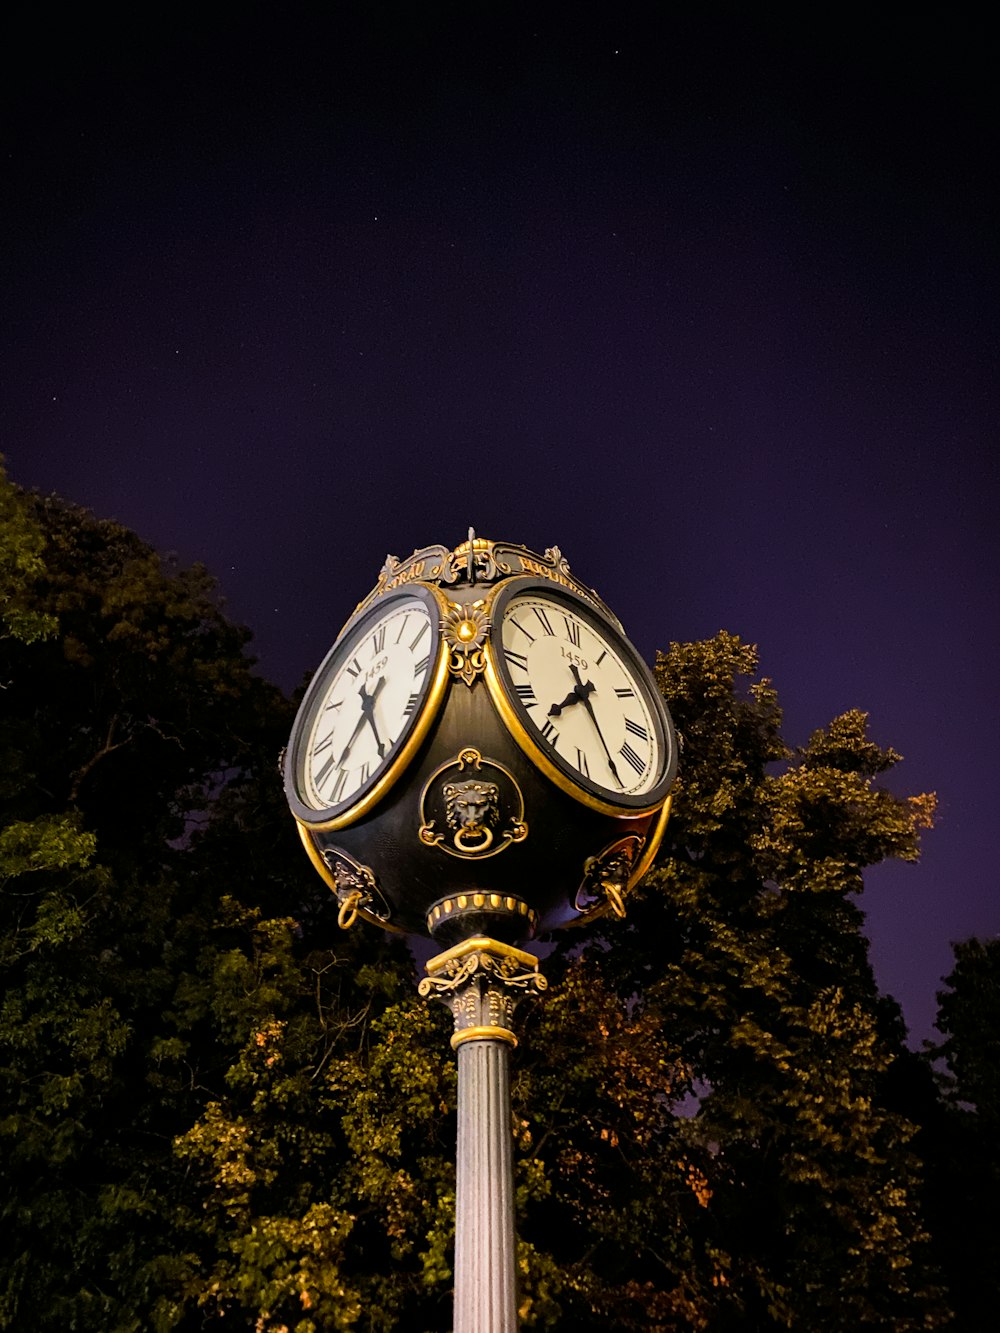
[(704, 1134), (764, 1183), (960, 1134), (219, 1110), (168, 1032), (127, 700)]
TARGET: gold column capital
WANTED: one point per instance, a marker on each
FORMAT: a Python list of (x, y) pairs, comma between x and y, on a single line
[(481, 981)]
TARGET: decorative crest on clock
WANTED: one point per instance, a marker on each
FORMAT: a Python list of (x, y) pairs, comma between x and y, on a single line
[(479, 561)]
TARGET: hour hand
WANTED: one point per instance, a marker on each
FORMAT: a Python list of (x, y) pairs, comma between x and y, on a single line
[(571, 698)]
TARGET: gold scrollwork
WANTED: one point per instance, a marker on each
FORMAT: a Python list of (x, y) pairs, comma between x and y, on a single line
[(431, 564), (556, 558), (320, 861), (478, 560), (473, 807)]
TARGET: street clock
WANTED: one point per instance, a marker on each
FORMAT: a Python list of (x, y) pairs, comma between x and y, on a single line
[(483, 751)]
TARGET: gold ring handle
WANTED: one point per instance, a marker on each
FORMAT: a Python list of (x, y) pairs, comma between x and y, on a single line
[(482, 832), (348, 913)]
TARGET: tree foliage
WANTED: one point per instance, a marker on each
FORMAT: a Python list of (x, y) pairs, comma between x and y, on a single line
[(960, 1136), (218, 1110)]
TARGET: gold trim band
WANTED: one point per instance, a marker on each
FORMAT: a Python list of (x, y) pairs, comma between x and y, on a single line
[(483, 1034), (653, 839)]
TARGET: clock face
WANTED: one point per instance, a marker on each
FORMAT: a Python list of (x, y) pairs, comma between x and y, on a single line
[(584, 697), (364, 703)]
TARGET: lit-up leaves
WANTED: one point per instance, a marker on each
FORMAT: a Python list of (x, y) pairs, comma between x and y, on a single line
[(22, 545), (600, 1189)]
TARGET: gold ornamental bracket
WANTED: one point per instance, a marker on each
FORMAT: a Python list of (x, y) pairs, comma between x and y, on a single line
[(355, 885), (464, 629), (609, 876), (482, 981)]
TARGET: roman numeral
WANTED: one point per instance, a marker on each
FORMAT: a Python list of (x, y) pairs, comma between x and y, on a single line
[(322, 745), (637, 729), (625, 694), (338, 786), (411, 704), (517, 625), (581, 763), (628, 754), (550, 734), (543, 620), (321, 775), (402, 627), (423, 630), (354, 668), (365, 770), (601, 658), (422, 665), (378, 640), (572, 631), (337, 703), (516, 659), (527, 695)]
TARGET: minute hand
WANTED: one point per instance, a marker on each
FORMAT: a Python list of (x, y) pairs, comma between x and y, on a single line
[(583, 693), (366, 716), (368, 710)]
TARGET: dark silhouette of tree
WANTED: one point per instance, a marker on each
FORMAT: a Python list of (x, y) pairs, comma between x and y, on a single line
[(960, 1140)]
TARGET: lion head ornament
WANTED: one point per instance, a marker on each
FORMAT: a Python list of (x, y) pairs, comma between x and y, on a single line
[(467, 813), (473, 810)]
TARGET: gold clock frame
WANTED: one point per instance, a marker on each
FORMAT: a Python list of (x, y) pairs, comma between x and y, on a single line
[(511, 720), (401, 760)]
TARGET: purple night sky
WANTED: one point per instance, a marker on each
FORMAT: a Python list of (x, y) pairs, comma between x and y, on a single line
[(710, 303)]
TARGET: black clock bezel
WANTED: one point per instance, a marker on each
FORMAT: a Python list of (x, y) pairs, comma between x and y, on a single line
[(516, 717), (432, 693)]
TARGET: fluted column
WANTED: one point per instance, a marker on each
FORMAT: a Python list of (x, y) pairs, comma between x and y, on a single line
[(481, 980)]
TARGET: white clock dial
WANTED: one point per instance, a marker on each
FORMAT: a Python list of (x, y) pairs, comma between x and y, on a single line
[(367, 704), (583, 698)]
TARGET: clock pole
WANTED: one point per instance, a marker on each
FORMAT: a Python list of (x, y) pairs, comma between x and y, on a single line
[(481, 980)]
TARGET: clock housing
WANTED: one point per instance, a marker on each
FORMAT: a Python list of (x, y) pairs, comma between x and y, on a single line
[(426, 793)]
